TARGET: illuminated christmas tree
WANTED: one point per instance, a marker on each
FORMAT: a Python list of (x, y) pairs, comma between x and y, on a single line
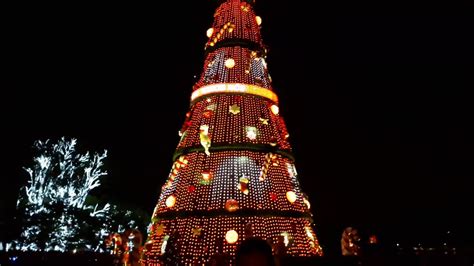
[(233, 175)]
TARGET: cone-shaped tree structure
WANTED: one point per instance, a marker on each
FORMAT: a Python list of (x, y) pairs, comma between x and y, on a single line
[(233, 175)]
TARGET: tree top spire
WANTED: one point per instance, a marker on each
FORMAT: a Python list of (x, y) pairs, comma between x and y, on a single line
[(248, 1)]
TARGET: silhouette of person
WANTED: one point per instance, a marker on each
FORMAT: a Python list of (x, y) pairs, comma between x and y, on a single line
[(253, 252)]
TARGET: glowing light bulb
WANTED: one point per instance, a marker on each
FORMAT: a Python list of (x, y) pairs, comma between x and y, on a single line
[(259, 20)]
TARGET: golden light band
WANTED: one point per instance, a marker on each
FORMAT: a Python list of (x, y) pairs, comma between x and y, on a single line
[(234, 88)]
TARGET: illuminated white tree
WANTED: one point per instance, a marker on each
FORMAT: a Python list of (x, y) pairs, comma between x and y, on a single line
[(56, 215)]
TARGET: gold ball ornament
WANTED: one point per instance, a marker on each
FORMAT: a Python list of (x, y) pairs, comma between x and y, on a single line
[(291, 196), (209, 32), (275, 109), (230, 63), (170, 201), (259, 20), (231, 236)]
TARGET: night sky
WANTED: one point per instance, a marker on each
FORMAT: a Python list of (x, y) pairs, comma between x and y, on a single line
[(375, 96)]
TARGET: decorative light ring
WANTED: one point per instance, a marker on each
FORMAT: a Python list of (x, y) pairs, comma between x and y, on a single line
[(173, 215), (217, 147), (234, 88)]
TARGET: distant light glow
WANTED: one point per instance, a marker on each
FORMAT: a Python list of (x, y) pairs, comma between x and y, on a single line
[(373, 239)]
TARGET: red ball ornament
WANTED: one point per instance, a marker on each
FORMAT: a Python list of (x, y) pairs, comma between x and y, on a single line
[(191, 189), (186, 125)]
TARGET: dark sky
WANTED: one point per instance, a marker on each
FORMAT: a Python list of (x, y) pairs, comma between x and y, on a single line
[(375, 96)]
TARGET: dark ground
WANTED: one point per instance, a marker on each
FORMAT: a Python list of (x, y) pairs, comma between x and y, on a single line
[(369, 260)]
